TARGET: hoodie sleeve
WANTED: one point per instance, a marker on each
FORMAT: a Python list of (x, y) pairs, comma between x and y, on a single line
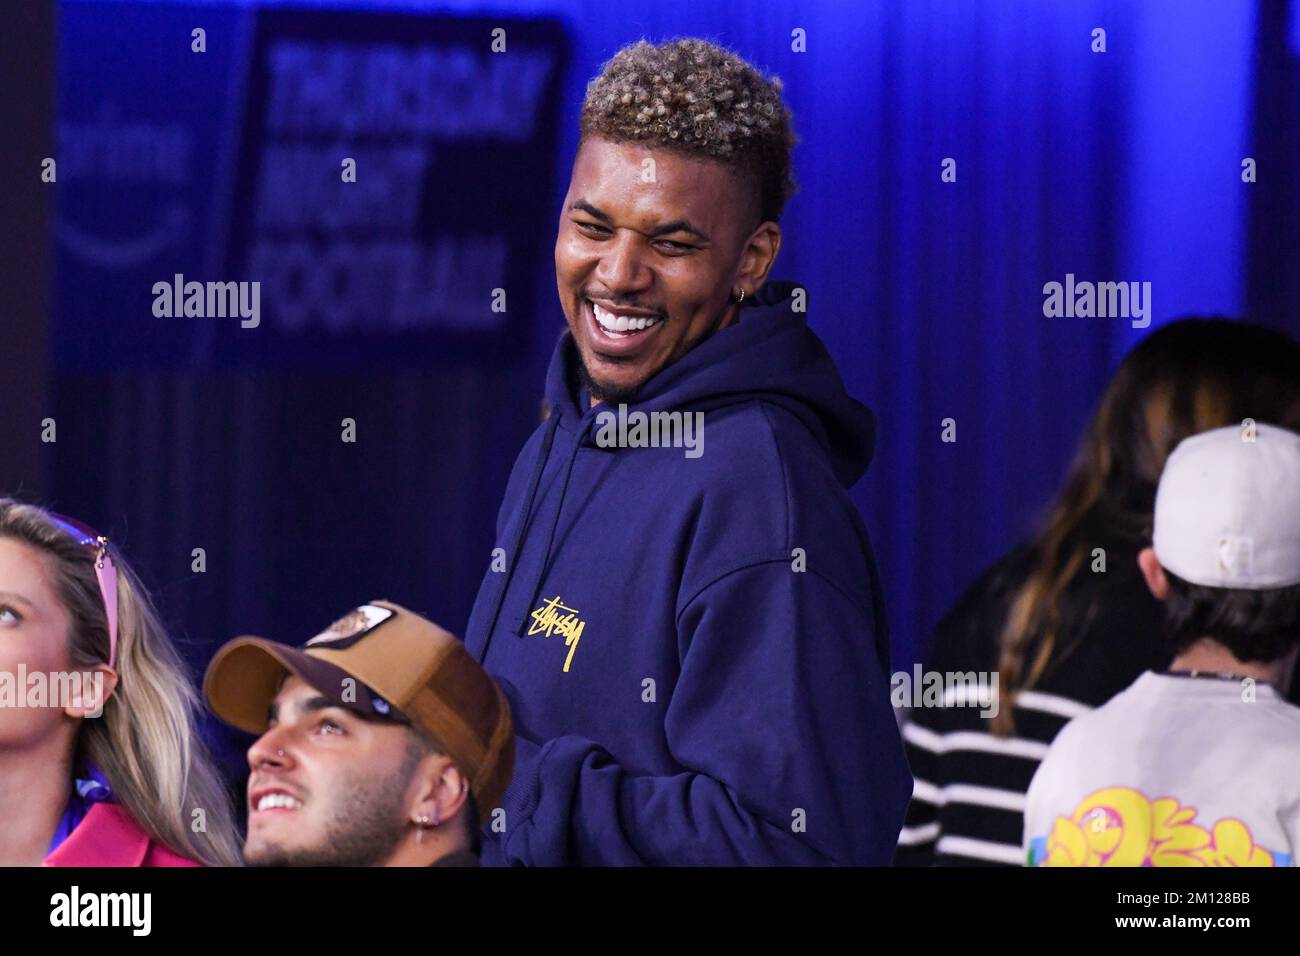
[(781, 719)]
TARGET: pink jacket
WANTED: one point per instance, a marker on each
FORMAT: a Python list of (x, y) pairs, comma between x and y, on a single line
[(109, 836)]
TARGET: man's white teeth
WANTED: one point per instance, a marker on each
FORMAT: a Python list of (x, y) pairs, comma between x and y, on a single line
[(273, 800), (622, 323)]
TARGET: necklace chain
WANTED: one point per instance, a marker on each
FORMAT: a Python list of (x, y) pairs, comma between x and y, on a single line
[(1214, 675)]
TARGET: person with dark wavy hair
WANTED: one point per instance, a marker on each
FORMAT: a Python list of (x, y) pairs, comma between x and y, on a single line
[(1197, 764), (1065, 618)]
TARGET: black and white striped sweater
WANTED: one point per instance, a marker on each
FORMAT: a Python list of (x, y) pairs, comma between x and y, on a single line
[(969, 792)]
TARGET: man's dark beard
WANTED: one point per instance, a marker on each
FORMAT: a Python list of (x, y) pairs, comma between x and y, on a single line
[(613, 395), (365, 828), (610, 395)]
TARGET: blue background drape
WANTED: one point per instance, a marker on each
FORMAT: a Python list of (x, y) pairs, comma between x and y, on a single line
[(1115, 166)]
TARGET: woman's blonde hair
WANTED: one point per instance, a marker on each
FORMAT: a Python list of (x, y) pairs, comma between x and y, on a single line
[(145, 742)]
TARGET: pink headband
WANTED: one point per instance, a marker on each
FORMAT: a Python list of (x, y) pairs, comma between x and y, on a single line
[(105, 573)]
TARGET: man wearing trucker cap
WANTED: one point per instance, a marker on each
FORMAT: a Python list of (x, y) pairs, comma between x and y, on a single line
[(1198, 765), (382, 742)]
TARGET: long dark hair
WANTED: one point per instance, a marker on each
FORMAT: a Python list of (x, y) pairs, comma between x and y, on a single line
[(1186, 377)]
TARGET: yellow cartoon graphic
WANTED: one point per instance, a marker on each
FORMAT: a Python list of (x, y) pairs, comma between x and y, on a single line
[(1119, 826)]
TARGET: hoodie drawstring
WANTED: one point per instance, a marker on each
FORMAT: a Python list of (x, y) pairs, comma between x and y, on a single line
[(555, 523), (548, 439)]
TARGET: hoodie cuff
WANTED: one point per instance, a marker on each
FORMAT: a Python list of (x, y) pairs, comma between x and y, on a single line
[(520, 799)]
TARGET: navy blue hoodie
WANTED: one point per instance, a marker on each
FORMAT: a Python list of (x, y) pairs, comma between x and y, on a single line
[(693, 642)]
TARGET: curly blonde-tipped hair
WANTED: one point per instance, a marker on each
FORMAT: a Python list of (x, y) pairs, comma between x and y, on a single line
[(698, 99)]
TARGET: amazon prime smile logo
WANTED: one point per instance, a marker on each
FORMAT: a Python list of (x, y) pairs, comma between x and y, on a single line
[(105, 152), (624, 429), (217, 300)]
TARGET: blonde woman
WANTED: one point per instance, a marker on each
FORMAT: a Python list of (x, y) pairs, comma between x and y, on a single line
[(100, 764)]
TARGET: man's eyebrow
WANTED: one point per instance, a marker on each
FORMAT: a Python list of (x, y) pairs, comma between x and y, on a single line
[(320, 703), (307, 706), (677, 225)]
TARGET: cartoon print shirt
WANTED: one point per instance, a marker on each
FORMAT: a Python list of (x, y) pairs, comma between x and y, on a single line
[(1173, 771)]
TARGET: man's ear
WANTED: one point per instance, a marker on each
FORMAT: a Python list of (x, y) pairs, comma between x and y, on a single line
[(442, 790), (97, 686), (1157, 583), (759, 255)]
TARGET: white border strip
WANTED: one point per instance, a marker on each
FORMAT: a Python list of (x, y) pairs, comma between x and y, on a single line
[(980, 850), (1051, 704), (938, 743), (914, 836), (967, 793)]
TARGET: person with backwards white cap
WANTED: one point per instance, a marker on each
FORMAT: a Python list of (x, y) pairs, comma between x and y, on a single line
[(1198, 765)]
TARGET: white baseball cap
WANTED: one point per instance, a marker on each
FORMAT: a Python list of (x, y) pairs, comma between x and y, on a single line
[(1228, 508)]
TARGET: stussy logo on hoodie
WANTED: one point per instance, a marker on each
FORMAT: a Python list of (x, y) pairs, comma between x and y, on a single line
[(550, 619)]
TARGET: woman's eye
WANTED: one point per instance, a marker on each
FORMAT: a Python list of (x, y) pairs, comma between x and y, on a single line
[(9, 616), (329, 727)]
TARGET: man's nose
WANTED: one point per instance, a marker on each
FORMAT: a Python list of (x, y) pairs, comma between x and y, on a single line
[(270, 750), (622, 267)]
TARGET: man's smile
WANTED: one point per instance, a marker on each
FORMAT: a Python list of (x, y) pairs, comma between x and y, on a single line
[(619, 333), (273, 799)]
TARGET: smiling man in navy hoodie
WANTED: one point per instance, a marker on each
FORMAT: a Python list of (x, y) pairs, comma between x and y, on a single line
[(692, 638)]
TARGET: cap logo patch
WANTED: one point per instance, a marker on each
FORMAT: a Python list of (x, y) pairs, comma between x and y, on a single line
[(351, 627)]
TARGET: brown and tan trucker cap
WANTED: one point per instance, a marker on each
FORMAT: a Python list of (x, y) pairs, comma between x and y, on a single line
[(382, 662)]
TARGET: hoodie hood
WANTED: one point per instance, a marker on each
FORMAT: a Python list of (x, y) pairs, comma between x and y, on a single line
[(677, 681), (769, 354)]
